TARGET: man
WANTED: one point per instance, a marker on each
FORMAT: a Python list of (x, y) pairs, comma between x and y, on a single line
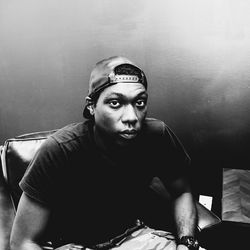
[(90, 180)]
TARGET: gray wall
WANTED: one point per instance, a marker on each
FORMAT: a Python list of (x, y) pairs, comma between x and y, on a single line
[(196, 55)]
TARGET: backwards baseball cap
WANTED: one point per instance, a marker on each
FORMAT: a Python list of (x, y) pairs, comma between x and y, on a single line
[(109, 72)]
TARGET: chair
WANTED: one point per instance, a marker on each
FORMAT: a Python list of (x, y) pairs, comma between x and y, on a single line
[(16, 154)]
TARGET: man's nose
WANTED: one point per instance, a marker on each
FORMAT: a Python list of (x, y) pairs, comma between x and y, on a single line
[(129, 114)]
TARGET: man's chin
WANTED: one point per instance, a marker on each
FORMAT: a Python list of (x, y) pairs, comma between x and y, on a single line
[(124, 142)]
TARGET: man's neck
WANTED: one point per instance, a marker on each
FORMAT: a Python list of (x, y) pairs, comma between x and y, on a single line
[(106, 144), (102, 140)]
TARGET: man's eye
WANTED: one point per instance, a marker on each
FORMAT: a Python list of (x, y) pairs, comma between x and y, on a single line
[(114, 103), (141, 103)]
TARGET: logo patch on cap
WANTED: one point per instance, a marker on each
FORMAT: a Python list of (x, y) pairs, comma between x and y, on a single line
[(124, 78)]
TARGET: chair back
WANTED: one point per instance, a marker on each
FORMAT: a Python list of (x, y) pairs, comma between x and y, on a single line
[(16, 155)]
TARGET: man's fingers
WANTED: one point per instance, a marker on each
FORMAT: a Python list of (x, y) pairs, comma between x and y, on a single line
[(78, 247), (71, 246)]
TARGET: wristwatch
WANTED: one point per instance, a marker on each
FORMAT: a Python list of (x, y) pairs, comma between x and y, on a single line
[(189, 241)]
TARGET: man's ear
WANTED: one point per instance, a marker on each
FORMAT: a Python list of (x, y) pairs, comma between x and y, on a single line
[(91, 109), (90, 105)]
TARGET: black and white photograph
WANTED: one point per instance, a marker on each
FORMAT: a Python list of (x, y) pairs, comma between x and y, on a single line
[(124, 124)]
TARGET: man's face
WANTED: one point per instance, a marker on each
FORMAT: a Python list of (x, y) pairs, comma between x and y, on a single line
[(120, 111)]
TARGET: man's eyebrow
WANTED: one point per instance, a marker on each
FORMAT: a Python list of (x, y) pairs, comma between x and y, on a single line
[(116, 94)]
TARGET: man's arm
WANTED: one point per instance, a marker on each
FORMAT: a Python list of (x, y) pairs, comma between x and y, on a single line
[(7, 214), (184, 208), (29, 225)]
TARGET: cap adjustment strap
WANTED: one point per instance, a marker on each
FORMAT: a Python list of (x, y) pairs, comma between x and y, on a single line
[(124, 78)]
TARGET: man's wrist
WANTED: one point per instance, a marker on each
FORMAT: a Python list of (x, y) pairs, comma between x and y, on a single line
[(189, 241)]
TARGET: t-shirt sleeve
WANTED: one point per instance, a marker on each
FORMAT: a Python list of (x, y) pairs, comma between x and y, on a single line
[(175, 160), (41, 177)]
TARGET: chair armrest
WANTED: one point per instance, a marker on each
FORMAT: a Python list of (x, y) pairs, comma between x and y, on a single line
[(206, 218)]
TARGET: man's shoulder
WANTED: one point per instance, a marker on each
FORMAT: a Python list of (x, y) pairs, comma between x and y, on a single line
[(70, 132), (154, 126)]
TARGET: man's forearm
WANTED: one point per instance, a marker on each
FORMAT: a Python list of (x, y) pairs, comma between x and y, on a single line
[(185, 215)]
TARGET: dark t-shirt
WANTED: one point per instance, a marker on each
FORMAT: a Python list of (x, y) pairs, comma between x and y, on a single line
[(95, 196)]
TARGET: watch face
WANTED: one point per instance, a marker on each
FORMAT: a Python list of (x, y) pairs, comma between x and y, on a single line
[(189, 241)]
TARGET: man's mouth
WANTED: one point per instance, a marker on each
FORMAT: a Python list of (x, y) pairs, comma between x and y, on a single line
[(129, 134)]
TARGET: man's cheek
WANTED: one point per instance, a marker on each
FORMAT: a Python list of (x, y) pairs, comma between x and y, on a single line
[(107, 122)]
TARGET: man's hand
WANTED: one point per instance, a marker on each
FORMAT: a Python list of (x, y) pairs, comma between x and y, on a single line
[(72, 246), (182, 247)]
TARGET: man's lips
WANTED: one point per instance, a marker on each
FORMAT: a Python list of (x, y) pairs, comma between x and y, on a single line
[(129, 134)]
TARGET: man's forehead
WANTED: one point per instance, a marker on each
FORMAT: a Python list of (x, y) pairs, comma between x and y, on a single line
[(125, 88)]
